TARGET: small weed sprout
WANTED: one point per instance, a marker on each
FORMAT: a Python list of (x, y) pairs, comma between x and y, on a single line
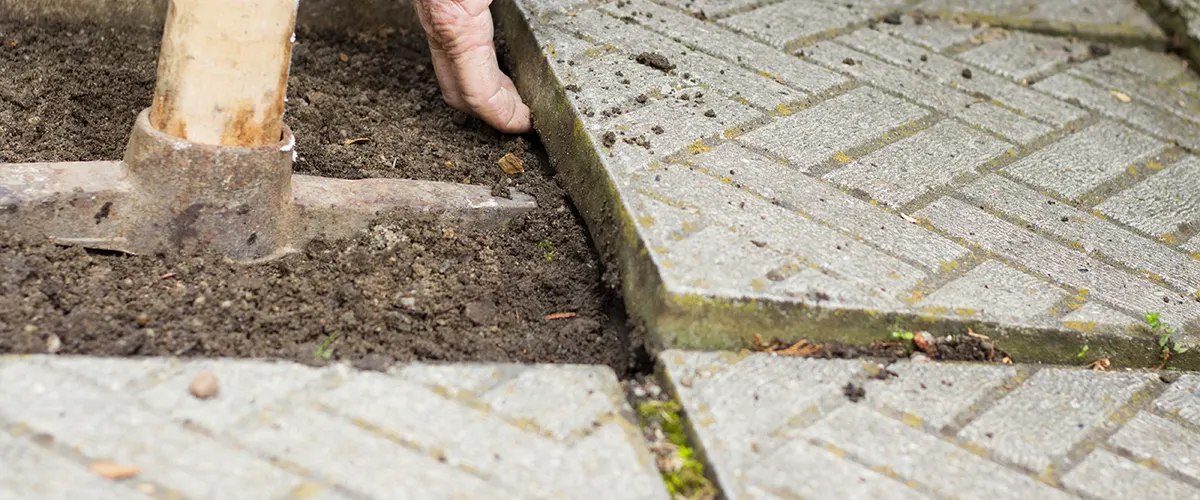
[(1166, 334), (325, 350), (547, 247), (1082, 352)]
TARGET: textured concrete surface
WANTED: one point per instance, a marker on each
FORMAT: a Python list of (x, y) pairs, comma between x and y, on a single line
[(765, 426), (778, 427), (839, 171), (280, 430)]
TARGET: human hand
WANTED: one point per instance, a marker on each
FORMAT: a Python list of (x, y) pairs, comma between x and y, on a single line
[(464, 58)]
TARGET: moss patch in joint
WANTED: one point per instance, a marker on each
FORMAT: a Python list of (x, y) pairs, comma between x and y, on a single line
[(683, 473)]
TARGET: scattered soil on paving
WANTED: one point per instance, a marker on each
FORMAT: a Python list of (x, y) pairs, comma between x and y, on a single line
[(413, 288)]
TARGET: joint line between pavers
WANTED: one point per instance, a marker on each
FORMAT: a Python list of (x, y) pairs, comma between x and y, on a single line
[(995, 164), (1121, 120), (948, 272), (991, 399), (738, 64), (1076, 247), (1098, 437), (1182, 422), (1083, 31), (1180, 79), (1153, 464), (699, 450), (1059, 67), (133, 401), (703, 50), (948, 88), (52, 446), (1055, 240), (946, 437), (1135, 173), (885, 471), (892, 136), (398, 440)]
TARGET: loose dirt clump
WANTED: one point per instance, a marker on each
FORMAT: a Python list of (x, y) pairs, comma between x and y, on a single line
[(656, 61), (414, 287)]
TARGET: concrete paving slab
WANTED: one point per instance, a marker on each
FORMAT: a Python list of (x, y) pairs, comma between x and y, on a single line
[(281, 430), (1104, 19), (833, 176), (784, 427)]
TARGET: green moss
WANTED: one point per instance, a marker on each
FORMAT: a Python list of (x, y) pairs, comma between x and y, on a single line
[(688, 480)]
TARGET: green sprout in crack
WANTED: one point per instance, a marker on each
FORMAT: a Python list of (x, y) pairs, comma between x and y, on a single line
[(686, 479), (1166, 334), (547, 247), (1166, 338), (907, 336), (325, 349), (1082, 352)]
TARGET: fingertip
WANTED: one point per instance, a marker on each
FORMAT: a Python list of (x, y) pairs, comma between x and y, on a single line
[(522, 121)]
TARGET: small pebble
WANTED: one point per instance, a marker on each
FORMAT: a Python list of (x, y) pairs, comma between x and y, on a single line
[(408, 301), (143, 319), (53, 344), (966, 73), (710, 113), (204, 386)]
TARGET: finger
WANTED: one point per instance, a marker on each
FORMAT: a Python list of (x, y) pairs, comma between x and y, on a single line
[(488, 92), (446, 77), (464, 58)]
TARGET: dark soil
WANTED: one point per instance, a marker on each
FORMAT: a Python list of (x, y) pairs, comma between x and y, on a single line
[(413, 288)]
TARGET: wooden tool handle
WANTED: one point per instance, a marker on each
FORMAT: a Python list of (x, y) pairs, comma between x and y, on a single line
[(222, 71)]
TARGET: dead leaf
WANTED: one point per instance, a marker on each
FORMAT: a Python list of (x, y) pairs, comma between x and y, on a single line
[(561, 315), (1100, 365), (11, 43), (114, 471), (800, 348), (344, 57), (1121, 96), (167, 276), (512, 164), (348, 142)]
